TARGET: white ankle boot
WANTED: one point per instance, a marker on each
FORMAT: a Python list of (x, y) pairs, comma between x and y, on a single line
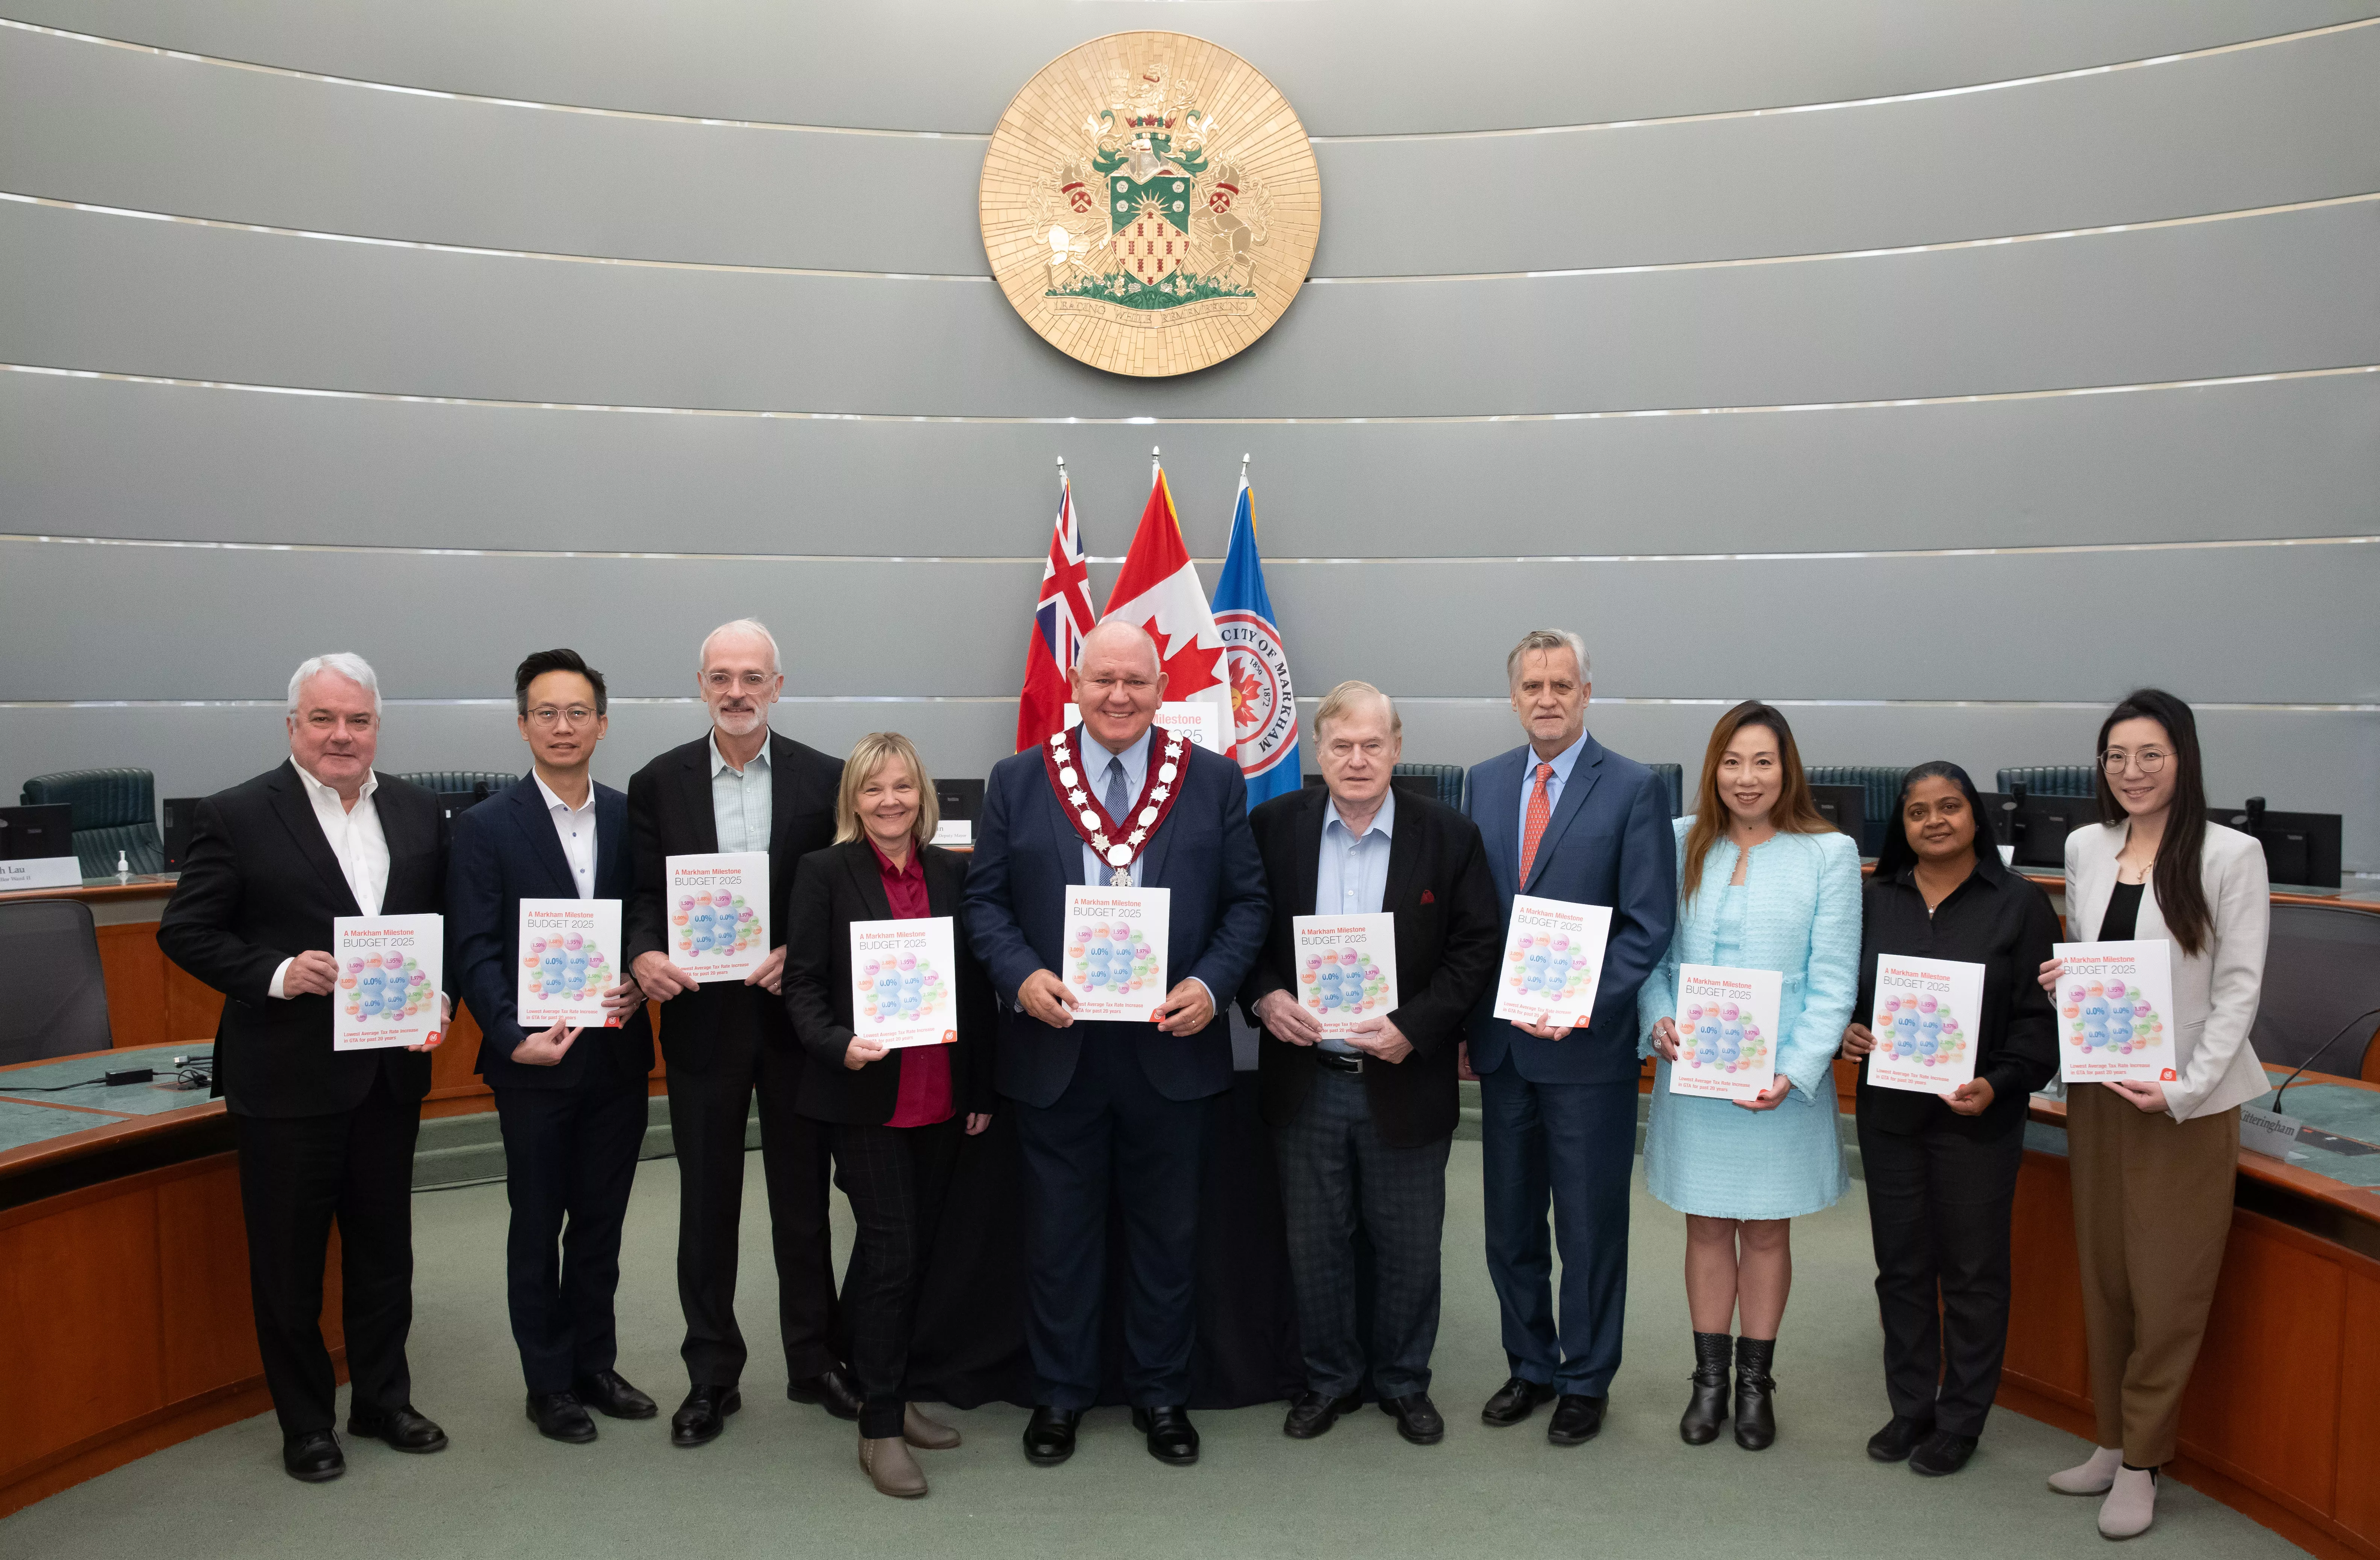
[(2092, 1477), (2130, 1506)]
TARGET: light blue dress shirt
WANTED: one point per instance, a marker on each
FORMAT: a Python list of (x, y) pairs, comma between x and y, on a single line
[(1563, 762), (742, 805), (1352, 877), (1094, 771)]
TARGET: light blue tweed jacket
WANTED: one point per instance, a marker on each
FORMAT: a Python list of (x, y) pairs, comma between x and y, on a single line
[(1800, 916)]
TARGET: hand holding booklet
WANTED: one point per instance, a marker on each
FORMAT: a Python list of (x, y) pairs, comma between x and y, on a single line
[(1928, 1014), (903, 982), (1115, 958), (567, 948), (2115, 1005), (718, 913), (389, 972), (1553, 962), (1726, 1031), (1346, 969)]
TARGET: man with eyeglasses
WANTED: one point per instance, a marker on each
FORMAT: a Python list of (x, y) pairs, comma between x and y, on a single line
[(738, 788), (570, 1100), (322, 1133)]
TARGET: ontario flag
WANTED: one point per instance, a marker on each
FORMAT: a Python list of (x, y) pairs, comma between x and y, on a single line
[(1060, 620), (1159, 590), (1264, 707)]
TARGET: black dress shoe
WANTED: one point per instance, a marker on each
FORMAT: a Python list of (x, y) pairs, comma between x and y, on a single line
[(402, 1429), (830, 1390), (1941, 1455), (312, 1456), (1516, 1401), (609, 1393), (1050, 1435), (1576, 1421), (1707, 1404), (1755, 1388), (703, 1415), (1898, 1438), (1312, 1413), (1417, 1417), (560, 1417), (1171, 1437)]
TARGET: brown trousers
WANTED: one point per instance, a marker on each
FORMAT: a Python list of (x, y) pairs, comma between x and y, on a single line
[(2152, 1212)]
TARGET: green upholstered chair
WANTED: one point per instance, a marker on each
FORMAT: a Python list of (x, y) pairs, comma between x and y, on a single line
[(114, 810), (1880, 787), (1673, 775), (2048, 780), (478, 783), (1448, 777)]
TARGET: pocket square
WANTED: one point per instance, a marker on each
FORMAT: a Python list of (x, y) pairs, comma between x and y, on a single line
[(1427, 897)]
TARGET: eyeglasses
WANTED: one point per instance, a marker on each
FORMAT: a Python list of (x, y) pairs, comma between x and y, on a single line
[(546, 715), (2148, 760)]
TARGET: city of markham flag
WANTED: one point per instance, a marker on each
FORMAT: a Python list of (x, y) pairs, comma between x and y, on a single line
[(1264, 707), (1060, 618), (1159, 590)]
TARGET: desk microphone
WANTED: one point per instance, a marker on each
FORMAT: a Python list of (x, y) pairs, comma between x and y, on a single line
[(2334, 1040)]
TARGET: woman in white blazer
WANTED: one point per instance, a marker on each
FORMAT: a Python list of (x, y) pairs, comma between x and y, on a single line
[(2153, 1162)]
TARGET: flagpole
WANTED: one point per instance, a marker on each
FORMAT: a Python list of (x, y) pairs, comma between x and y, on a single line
[(1155, 465)]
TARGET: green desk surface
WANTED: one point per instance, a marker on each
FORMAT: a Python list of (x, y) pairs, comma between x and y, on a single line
[(132, 1099), (2335, 1108)]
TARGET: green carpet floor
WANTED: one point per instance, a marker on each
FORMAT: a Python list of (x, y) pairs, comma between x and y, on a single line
[(783, 1479)]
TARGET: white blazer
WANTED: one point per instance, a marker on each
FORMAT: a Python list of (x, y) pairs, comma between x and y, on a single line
[(2215, 991)]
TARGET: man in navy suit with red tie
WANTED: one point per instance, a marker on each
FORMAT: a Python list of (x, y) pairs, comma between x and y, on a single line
[(1114, 803), (1566, 818)]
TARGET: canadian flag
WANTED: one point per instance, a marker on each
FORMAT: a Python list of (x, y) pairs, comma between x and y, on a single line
[(1159, 590)]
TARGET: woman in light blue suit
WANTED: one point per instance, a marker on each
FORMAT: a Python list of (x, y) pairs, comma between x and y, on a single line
[(1764, 883)]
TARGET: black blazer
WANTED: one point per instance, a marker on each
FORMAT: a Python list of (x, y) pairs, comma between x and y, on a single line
[(506, 850), (669, 814), (832, 888), (1450, 935), (260, 885)]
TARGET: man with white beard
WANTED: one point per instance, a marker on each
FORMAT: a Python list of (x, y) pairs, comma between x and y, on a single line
[(738, 788)]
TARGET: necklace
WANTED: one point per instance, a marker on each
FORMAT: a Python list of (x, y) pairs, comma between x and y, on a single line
[(1117, 846)]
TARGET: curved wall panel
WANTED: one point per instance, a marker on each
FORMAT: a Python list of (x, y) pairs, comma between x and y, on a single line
[(1906, 492)]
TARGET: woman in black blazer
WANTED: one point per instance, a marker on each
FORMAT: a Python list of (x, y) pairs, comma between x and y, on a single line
[(1941, 1168), (893, 1117)]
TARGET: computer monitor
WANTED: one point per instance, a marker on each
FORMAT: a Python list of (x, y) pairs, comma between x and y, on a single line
[(1845, 807), (1421, 785), (2300, 847), (959, 799), (181, 815), (2000, 813), (36, 833), (2043, 824)]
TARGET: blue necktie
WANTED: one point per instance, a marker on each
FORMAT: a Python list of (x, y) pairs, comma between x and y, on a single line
[(1114, 799)]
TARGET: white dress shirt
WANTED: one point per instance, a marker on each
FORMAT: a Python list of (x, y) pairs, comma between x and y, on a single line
[(1351, 877), (575, 829), (356, 839)]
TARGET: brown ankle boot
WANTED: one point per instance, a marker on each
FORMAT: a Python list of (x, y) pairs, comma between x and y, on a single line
[(927, 1435), (888, 1464)]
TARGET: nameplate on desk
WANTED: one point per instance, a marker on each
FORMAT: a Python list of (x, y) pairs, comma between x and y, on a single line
[(2268, 1132), (41, 871), (954, 831)]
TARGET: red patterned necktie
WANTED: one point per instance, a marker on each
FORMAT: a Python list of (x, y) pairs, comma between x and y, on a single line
[(1541, 812)]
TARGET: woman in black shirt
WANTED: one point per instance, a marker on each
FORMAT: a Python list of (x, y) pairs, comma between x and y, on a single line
[(1941, 1169)]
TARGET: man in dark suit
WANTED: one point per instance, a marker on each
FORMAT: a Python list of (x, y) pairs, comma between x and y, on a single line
[(1362, 1126), (1091, 1095), (739, 788), (323, 1134), (1566, 818), (571, 1100)]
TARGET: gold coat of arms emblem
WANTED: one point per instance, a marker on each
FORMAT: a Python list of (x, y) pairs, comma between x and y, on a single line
[(1151, 203)]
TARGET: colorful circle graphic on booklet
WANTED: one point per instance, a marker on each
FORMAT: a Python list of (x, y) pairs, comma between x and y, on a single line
[(565, 967), (1113, 958), (718, 923), (1720, 1036), (1544, 966), (1918, 1030), (1343, 981), (1150, 203), (2110, 1015), (901, 988), (384, 987)]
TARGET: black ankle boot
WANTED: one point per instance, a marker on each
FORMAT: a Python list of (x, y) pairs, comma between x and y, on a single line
[(1755, 1416), (1708, 1408)]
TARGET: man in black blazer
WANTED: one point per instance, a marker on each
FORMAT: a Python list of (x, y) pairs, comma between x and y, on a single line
[(738, 788), (571, 1100), (1363, 1126), (1092, 1095), (323, 1134)]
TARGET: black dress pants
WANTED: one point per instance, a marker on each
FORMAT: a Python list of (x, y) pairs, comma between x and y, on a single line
[(570, 1160), (708, 1111), (1112, 1131), (897, 1178), (1939, 1204), (298, 1174)]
